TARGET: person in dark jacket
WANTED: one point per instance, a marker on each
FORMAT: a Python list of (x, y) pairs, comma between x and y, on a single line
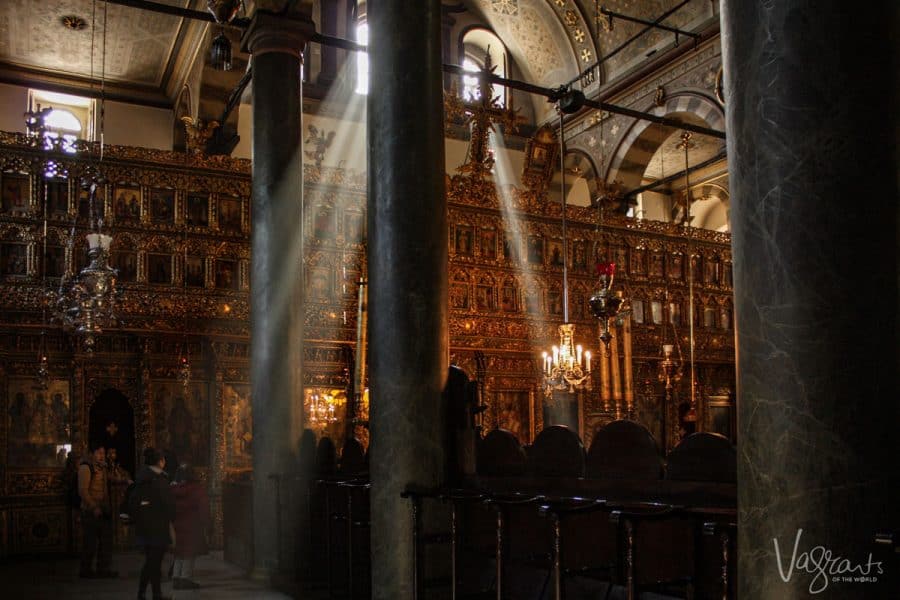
[(192, 520), (153, 509)]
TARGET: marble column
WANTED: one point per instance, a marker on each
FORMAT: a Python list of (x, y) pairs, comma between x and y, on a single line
[(812, 116), (407, 254), (276, 43)]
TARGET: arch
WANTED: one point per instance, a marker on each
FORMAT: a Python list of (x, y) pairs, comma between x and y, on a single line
[(644, 138), (476, 44), (111, 421)]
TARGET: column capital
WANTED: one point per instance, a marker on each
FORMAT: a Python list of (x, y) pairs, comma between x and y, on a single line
[(285, 34)]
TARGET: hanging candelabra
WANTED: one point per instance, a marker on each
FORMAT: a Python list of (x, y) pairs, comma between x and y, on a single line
[(685, 144), (567, 366), (85, 303), (604, 302)]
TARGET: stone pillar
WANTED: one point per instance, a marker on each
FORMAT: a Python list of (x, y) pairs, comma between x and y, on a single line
[(812, 116), (276, 43), (407, 253)]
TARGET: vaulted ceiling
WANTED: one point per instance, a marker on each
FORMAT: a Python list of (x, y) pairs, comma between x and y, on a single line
[(147, 56)]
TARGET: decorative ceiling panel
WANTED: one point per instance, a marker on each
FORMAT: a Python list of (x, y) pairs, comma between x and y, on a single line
[(141, 44)]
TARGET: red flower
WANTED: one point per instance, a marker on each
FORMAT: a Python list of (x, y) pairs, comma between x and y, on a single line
[(606, 268)]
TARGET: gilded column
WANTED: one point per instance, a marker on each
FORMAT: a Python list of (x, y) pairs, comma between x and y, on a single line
[(628, 392), (605, 393), (615, 373)]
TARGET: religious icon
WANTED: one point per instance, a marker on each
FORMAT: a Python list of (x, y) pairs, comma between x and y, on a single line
[(56, 261), (489, 244), (555, 249), (484, 297), (57, 197), (532, 301), (656, 312), (676, 265), (464, 240), (180, 426), (535, 250), (579, 258), (637, 310), (13, 259), (126, 264), (324, 223), (726, 274), (459, 296), (197, 209), (238, 425), (194, 271), (509, 298), (554, 302), (695, 268), (226, 275), (15, 193), (230, 214), (709, 317), (656, 264), (127, 204), (711, 271), (162, 206), (639, 260), (512, 413), (38, 423), (159, 268), (675, 313), (354, 227), (84, 204), (510, 249), (319, 284), (725, 317)]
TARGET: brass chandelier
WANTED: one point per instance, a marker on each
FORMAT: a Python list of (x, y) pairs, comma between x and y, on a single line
[(566, 367)]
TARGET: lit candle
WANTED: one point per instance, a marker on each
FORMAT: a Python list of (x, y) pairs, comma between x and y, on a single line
[(578, 354), (587, 361), (546, 362), (555, 355)]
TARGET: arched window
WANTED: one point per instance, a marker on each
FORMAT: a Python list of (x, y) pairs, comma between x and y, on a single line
[(477, 45), (70, 118)]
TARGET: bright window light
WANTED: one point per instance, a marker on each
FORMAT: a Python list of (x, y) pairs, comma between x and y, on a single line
[(62, 120), (362, 60), (470, 84)]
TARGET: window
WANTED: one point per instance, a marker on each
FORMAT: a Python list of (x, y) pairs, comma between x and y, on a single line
[(477, 45), (362, 59), (70, 117)]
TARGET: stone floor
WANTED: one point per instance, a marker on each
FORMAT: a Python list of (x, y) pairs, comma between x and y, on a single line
[(56, 578)]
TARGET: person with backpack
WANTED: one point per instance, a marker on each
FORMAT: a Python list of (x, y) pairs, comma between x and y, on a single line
[(96, 514), (192, 520), (152, 509)]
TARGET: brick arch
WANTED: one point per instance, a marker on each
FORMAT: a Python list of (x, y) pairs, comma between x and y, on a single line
[(644, 138)]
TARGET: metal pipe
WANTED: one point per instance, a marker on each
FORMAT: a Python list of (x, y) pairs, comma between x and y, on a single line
[(555, 93), (562, 200), (629, 41), (653, 24), (671, 178)]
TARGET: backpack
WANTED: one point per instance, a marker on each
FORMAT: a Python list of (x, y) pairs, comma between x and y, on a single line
[(73, 498)]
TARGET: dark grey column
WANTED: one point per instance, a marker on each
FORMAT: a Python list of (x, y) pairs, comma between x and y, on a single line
[(408, 338), (276, 44), (811, 148)]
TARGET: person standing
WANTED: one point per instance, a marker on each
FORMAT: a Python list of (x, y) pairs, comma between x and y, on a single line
[(192, 520), (152, 507), (96, 514)]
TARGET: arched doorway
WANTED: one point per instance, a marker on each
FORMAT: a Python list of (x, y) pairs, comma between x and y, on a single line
[(112, 422)]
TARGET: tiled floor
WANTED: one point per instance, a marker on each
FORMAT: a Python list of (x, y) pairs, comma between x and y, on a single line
[(57, 578)]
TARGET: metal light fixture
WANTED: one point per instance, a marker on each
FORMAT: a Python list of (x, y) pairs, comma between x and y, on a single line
[(85, 303), (604, 302), (686, 145), (223, 11), (567, 366), (220, 52)]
